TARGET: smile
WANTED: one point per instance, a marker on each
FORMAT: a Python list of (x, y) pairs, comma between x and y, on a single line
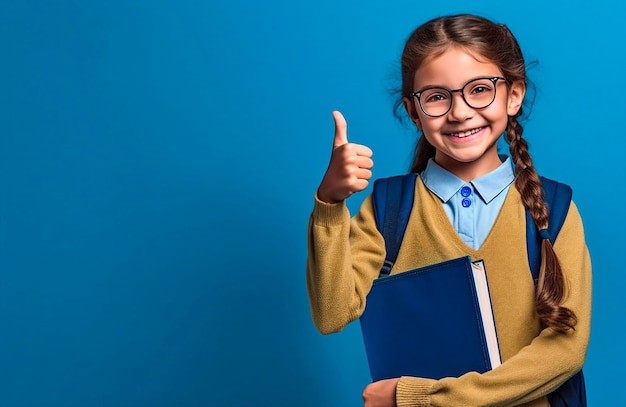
[(465, 133)]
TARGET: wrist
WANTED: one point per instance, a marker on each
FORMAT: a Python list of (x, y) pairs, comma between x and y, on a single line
[(323, 196)]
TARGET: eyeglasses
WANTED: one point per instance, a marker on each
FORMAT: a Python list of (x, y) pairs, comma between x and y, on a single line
[(477, 93)]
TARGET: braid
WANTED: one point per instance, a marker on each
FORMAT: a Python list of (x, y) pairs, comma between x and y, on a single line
[(526, 177), (551, 285)]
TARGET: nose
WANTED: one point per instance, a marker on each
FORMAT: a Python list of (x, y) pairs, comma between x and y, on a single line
[(460, 110)]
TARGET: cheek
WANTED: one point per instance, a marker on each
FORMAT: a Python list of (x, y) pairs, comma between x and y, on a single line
[(502, 104), (499, 119), (497, 112), (431, 126)]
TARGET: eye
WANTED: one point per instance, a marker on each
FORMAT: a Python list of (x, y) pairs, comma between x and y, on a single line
[(434, 96), (478, 89)]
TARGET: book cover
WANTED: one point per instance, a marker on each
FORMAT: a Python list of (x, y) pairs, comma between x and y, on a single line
[(435, 321)]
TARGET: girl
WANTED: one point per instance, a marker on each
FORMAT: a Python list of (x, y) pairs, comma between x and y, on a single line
[(463, 85)]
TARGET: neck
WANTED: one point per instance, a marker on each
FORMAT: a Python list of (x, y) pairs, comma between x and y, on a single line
[(468, 171)]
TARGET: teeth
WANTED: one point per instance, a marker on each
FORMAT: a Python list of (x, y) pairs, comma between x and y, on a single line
[(467, 133)]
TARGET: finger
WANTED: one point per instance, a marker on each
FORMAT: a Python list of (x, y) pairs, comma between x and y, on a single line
[(341, 130), (359, 185), (362, 151), (364, 162), (354, 150), (363, 174)]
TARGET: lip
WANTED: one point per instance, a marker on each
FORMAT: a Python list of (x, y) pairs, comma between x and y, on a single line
[(466, 135)]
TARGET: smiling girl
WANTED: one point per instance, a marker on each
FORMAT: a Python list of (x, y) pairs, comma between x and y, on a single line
[(463, 86)]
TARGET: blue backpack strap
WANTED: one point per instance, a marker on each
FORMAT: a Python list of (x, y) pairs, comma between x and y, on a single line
[(393, 201), (558, 196)]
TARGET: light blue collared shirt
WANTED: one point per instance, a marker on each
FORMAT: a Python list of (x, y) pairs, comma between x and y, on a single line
[(473, 206)]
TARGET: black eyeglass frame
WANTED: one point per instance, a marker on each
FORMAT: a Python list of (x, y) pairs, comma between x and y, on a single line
[(418, 94)]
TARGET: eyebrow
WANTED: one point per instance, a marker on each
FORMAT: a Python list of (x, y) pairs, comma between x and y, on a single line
[(464, 83)]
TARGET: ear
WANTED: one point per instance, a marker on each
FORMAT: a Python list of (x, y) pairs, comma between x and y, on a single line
[(516, 97), (409, 106)]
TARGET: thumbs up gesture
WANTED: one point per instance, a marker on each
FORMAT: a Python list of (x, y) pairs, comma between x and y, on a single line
[(349, 169)]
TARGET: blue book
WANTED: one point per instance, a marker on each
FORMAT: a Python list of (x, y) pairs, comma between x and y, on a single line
[(434, 322)]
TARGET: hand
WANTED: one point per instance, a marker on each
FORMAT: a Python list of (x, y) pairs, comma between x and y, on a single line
[(381, 393), (349, 169)]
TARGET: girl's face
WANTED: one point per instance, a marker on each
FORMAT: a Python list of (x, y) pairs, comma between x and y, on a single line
[(465, 138)]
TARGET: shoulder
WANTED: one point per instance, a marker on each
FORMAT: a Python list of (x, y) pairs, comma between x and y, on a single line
[(551, 184)]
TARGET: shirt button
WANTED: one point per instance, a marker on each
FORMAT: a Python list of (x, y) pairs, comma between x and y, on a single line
[(466, 202), (466, 191)]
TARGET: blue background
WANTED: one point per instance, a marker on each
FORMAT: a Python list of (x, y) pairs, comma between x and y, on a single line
[(157, 168)]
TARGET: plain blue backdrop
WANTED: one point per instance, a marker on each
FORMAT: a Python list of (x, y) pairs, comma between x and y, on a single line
[(158, 161)]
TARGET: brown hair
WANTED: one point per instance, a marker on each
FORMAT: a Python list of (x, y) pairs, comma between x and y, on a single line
[(498, 45)]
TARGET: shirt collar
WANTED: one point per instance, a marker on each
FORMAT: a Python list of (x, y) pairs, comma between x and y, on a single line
[(444, 184)]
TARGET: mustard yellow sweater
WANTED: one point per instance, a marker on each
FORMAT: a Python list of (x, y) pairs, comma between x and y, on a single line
[(345, 256)]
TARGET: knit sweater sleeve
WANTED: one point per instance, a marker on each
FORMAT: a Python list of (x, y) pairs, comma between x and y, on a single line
[(538, 368), (345, 256)]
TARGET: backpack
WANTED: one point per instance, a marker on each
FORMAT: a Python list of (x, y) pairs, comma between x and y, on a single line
[(393, 200)]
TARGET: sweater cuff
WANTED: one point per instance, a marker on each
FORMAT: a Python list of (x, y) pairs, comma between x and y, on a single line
[(327, 214), (413, 392)]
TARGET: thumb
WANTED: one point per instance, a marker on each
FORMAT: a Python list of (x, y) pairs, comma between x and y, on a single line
[(341, 130)]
